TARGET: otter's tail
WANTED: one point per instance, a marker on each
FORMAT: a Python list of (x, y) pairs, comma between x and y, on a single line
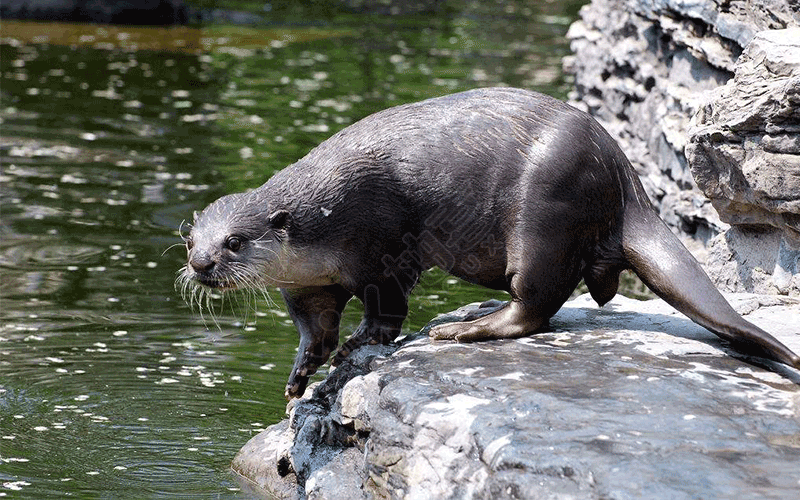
[(669, 270)]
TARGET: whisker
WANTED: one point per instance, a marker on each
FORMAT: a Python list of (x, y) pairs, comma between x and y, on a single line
[(244, 288), (180, 229), (172, 246), (265, 233), (211, 312)]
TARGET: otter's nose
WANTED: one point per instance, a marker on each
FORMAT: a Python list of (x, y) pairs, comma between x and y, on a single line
[(201, 264)]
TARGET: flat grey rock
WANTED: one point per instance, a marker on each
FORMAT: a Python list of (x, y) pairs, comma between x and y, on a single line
[(627, 401)]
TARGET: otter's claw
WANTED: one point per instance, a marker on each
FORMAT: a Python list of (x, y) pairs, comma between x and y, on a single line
[(298, 379), (295, 389), (296, 386)]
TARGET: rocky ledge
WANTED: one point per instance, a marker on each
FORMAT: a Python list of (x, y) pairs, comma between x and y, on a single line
[(631, 400), (704, 93)]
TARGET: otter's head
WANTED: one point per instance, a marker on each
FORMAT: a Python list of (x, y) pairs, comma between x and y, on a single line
[(235, 243)]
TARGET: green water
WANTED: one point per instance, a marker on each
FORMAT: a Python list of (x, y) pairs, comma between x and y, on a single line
[(110, 386)]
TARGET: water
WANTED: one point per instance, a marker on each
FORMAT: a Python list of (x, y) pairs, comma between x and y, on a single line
[(110, 386)]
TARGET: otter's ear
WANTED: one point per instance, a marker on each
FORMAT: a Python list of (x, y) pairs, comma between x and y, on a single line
[(279, 219), (195, 215)]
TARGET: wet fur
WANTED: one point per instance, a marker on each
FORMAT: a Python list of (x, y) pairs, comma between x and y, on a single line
[(505, 188)]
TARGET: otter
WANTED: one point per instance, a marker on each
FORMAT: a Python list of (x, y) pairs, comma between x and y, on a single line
[(506, 188)]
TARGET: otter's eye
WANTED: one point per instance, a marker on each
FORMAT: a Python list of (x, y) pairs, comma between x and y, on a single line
[(189, 243), (233, 244)]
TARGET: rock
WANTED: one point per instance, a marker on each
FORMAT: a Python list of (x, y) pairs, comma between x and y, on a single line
[(644, 68), (744, 147), (773, 262), (744, 152), (260, 461), (627, 401)]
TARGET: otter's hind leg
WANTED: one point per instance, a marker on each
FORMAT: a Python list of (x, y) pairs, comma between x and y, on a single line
[(316, 313), (511, 321), (546, 275), (519, 317)]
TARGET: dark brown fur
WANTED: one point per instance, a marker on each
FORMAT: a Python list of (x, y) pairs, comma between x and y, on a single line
[(505, 188)]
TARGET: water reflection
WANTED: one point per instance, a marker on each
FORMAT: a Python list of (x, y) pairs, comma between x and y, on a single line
[(109, 138)]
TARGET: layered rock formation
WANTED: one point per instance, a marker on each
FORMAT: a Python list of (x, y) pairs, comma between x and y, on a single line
[(644, 68), (744, 153), (628, 401)]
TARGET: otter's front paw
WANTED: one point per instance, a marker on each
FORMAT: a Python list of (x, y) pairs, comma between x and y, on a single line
[(298, 380), (295, 388)]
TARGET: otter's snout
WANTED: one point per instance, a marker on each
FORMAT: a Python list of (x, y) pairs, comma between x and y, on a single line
[(201, 263)]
